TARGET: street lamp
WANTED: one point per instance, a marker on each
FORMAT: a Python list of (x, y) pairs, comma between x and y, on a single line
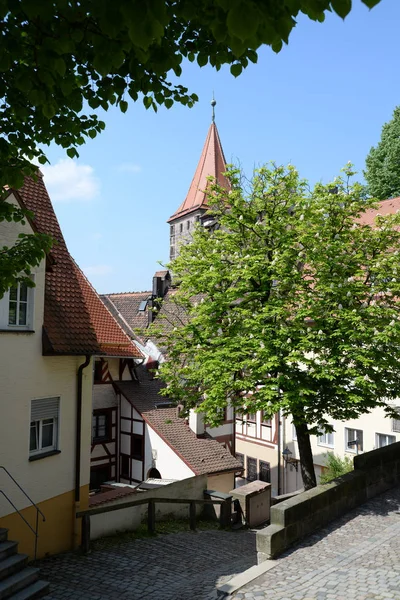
[(287, 458)]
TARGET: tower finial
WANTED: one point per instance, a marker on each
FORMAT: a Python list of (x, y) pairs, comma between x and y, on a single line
[(213, 103)]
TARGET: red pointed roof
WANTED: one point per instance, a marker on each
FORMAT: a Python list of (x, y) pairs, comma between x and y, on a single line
[(75, 319), (212, 163)]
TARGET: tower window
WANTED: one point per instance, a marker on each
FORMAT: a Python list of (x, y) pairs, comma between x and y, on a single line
[(181, 227), (172, 230), (187, 224)]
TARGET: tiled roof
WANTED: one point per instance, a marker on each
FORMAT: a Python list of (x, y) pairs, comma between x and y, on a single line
[(386, 207), (75, 319), (127, 304), (109, 495), (161, 273), (202, 455), (212, 163)]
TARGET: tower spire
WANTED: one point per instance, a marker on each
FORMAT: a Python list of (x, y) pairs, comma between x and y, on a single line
[(213, 103)]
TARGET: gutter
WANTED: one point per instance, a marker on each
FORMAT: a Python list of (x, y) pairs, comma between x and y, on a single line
[(78, 442)]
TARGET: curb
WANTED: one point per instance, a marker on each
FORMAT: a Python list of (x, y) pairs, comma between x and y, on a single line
[(237, 582)]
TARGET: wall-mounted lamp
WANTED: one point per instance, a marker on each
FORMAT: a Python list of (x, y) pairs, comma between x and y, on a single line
[(288, 460)]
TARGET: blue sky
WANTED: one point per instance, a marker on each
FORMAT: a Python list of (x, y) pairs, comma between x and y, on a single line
[(318, 104)]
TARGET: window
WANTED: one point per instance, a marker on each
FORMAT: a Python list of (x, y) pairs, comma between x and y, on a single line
[(100, 427), (143, 305), (251, 417), (353, 440), (266, 420), (251, 469), (240, 458), (137, 447), (265, 471), (172, 230), (18, 305), (381, 439), (294, 433), (181, 227), (326, 439), (44, 425), (396, 424), (188, 225)]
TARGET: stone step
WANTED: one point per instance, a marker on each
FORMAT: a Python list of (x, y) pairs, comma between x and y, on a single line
[(7, 549), (18, 581), (12, 564), (3, 534), (35, 590)]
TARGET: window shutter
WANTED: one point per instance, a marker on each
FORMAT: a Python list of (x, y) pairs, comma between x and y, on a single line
[(45, 408)]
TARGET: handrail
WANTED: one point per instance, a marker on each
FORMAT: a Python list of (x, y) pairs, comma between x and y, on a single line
[(225, 515), (18, 511), (38, 511), (23, 491)]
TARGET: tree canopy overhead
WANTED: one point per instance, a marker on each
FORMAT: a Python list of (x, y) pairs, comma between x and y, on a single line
[(61, 60), (299, 306), (383, 161)]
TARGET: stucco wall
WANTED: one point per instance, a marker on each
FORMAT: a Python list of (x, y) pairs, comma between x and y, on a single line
[(168, 463), (224, 482), (130, 518)]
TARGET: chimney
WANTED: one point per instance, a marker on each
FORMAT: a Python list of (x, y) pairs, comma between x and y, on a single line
[(196, 422)]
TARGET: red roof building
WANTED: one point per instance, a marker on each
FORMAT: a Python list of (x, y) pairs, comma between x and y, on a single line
[(76, 322), (212, 163)]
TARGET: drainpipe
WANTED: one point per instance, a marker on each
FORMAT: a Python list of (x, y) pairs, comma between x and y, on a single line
[(279, 453), (78, 442)]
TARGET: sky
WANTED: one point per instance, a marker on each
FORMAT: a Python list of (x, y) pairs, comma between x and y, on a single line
[(319, 103)]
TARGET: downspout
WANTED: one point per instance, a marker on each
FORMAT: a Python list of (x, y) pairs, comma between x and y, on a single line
[(279, 453), (78, 443)]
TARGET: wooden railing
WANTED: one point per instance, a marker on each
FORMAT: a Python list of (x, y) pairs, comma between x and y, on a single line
[(224, 519)]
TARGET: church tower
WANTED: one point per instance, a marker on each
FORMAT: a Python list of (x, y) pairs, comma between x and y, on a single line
[(212, 163)]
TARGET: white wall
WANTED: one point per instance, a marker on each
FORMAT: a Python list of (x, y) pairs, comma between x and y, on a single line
[(168, 463)]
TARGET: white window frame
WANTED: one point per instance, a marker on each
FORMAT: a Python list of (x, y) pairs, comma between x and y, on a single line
[(386, 435), (353, 449), (40, 423), (5, 325), (323, 440), (294, 433), (396, 422)]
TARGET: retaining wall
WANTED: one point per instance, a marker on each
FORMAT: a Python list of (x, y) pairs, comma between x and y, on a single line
[(374, 472)]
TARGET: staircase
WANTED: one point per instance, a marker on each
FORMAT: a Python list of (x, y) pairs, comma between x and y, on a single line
[(17, 580)]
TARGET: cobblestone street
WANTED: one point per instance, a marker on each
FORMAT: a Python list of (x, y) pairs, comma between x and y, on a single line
[(177, 566), (355, 558)]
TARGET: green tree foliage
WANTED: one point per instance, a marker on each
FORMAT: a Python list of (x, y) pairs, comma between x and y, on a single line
[(62, 60), (383, 161), (296, 305), (335, 467)]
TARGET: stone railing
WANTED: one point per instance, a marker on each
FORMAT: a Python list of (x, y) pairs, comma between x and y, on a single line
[(374, 472)]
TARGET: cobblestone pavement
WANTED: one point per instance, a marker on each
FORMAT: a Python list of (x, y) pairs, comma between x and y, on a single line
[(355, 558), (177, 566)]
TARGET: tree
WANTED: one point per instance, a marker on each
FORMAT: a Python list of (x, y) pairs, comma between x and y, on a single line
[(383, 161), (62, 59), (335, 467), (298, 306)]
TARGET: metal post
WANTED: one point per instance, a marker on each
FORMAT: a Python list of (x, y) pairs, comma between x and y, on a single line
[(192, 515), (151, 516), (36, 532), (85, 541)]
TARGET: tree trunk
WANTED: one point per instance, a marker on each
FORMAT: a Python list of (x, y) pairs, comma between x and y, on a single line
[(306, 457)]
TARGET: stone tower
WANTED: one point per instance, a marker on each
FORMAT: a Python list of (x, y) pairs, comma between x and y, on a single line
[(212, 163)]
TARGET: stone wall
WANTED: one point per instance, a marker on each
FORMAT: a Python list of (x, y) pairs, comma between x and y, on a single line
[(374, 472)]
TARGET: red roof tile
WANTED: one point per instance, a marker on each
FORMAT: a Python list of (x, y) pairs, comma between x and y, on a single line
[(202, 455), (75, 319), (212, 163), (386, 207), (109, 495), (127, 304)]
